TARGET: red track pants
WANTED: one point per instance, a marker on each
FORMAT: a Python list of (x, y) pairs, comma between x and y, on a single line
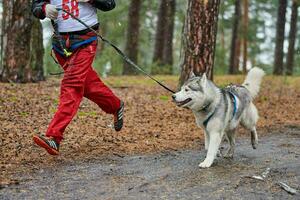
[(80, 80)]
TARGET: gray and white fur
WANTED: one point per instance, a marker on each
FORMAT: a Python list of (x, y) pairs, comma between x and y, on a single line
[(219, 111)]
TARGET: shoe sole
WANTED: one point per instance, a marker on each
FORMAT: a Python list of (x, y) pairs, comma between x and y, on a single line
[(43, 144)]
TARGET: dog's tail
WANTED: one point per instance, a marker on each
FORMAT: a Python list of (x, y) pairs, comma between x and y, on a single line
[(253, 81)]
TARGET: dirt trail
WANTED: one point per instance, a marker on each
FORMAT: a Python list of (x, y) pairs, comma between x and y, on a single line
[(172, 175)]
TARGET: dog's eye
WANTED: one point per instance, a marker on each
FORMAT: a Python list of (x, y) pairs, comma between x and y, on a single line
[(186, 89)]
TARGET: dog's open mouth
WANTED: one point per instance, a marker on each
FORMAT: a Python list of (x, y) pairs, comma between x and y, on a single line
[(182, 103)]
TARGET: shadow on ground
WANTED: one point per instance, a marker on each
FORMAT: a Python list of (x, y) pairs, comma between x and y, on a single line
[(172, 175)]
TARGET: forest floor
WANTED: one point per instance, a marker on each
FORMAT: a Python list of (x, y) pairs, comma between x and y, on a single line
[(153, 124)]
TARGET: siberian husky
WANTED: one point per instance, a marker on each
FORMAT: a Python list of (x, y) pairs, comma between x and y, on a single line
[(219, 111)]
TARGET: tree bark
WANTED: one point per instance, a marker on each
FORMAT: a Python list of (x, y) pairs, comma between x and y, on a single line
[(160, 32), (234, 58), (238, 54), (280, 27), (2, 40), (199, 38), (292, 38), (17, 52), (7, 7), (168, 35), (221, 28), (37, 51), (245, 34), (131, 48)]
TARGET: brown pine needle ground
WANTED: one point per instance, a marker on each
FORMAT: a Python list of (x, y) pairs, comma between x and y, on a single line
[(152, 122)]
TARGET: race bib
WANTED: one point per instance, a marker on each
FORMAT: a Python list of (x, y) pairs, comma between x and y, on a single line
[(84, 11)]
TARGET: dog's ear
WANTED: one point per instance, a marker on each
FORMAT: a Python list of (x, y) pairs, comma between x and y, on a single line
[(203, 80), (192, 75)]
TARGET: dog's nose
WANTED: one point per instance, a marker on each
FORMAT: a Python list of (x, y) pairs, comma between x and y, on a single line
[(173, 96)]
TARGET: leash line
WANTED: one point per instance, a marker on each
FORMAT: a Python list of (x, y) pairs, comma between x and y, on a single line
[(119, 51)]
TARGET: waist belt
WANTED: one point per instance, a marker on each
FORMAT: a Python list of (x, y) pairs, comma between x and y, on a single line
[(69, 43)]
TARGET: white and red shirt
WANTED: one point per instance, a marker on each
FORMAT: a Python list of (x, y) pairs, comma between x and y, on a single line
[(84, 11)]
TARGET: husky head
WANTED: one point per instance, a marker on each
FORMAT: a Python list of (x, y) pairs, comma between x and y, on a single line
[(195, 94)]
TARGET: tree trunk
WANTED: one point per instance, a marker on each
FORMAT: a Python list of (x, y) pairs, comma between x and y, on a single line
[(292, 38), (2, 40), (168, 35), (37, 51), (17, 52), (237, 60), (222, 29), (245, 35), (160, 32), (102, 31), (234, 58), (7, 7), (131, 48), (199, 38), (1, 43), (280, 27)]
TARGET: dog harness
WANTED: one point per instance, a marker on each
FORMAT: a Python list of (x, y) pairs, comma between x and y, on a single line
[(235, 106), (235, 102)]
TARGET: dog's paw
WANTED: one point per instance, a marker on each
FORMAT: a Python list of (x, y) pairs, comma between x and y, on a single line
[(254, 145), (205, 164)]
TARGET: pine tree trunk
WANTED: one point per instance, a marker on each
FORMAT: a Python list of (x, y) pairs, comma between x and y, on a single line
[(292, 38), (1, 42), (280, 27), (160, 32), (17, 52), (168, 35), (234, 58), (199, 38), (37, 51), (102, 31), (237, 55), (245, 34), (7, 7), (131, 48), (221, 35), (222, 29)]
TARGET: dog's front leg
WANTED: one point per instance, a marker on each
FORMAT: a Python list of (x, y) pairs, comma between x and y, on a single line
[(214, 143), (206, 144)]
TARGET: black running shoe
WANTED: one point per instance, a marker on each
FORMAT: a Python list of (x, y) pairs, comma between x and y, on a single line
[(118, 118), (47, 143)]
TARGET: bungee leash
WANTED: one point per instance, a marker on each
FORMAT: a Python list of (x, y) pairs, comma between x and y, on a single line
[(119, 51)]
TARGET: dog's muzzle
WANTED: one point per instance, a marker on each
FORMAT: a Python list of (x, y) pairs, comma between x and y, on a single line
[(181, 103)]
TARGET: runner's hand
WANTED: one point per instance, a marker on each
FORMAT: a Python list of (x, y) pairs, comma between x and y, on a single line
[(51, 12)]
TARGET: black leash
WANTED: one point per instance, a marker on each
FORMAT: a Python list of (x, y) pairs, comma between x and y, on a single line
[(118, 51)]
